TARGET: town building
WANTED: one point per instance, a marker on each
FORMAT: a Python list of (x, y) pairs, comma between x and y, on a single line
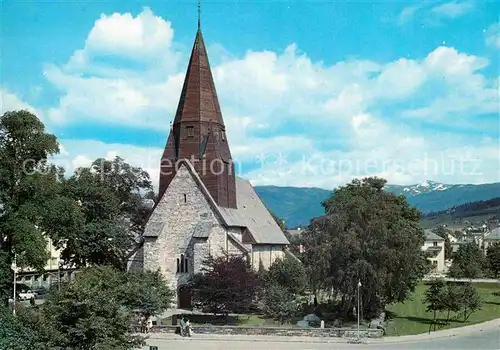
[(53, 272), (203, 208), (491, 238), (434, 245)]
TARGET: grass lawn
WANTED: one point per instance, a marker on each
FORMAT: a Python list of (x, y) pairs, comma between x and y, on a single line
[(410, 317)]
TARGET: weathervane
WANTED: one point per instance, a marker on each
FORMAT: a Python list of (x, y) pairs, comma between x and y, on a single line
[(199, 14)]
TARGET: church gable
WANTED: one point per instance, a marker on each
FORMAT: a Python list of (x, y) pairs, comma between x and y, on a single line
[(182, 219)]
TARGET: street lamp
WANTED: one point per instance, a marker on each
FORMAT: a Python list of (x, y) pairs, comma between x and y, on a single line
[(359, 286), (59, 274), (15, 282)]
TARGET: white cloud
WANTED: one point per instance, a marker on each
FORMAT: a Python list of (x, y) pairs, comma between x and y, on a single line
[(492, 36), (453, 9), (11, 102), (434, 15), (267, 91), (80, 153)]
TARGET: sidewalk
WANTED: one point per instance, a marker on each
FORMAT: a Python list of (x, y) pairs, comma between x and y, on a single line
[(460, 331), (446, 333)]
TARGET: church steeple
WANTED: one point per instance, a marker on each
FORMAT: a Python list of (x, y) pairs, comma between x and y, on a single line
[(198, 132)]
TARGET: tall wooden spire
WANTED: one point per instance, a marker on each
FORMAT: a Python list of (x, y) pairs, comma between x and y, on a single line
[(198, 133)]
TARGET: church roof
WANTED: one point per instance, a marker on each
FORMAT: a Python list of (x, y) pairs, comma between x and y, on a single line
[(198, 102), (253, 215), (250, 213)]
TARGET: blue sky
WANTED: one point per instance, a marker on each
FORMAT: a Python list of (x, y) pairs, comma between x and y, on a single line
[(313, 93)]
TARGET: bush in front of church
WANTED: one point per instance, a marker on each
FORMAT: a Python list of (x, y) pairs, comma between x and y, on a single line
[(227, 284), (283, 287)]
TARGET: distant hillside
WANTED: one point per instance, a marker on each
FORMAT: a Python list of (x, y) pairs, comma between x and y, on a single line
[(297, 205), (465, 214)]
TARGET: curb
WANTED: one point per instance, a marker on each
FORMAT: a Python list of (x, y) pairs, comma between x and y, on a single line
[(441, 334)]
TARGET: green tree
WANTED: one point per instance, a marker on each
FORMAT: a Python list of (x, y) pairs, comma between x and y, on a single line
[(279, 303), (367, 235), (493, 258), (30, 188), (470, 300), (284, 282), (468, 262), (452, 300), (436, 298), (289, 274), (444, 233), (95, 311), (110, 195), (226, 284)]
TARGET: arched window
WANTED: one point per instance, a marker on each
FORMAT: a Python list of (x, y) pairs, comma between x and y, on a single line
[(182, 264)]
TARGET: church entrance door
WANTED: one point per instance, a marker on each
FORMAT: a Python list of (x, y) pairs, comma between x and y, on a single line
[(184, 296)]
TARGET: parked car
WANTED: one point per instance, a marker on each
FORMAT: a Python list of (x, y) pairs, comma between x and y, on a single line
[(27, 295)]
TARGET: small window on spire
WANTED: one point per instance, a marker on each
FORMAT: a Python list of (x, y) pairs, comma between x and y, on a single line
[(190, 131)]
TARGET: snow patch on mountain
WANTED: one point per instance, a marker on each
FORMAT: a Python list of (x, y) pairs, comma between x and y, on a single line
[(423, 187)]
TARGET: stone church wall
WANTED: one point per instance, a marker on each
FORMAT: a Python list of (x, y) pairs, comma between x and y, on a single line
[(182, 206)]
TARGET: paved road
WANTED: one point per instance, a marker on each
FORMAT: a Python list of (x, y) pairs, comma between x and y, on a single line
[(482, 340)]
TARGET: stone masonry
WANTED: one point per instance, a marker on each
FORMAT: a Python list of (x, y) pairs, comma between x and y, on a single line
[(181, 207)]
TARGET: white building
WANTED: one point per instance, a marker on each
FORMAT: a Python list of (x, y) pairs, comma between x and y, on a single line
[(434, 244)]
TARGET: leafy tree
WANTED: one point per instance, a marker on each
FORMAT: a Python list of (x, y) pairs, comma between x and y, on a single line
[(468, 262), (27, 330), (29, 189), (471, 300), (95, 310), (289, 274), (443, 233), (226, 283), (452, 300), (279, 303), (110, 196), (436, 298), (370, 235), (493, 258), (283, 283)]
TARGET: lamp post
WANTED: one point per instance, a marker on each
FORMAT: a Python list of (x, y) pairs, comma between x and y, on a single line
[(15, 282), (359, 286)]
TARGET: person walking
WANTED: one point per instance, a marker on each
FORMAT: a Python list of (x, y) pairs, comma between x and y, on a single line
[(149, 324)]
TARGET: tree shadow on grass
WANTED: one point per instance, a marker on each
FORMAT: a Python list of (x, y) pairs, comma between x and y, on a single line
[(492, 302), (423, 320)]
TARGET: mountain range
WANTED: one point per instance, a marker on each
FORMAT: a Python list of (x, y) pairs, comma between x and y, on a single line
[(298, 205)]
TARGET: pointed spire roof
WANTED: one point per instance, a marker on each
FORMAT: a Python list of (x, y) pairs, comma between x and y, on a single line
[(199, 102)]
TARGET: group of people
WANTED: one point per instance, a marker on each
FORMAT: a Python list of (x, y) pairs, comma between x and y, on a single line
[(185, 327), (146, 323)]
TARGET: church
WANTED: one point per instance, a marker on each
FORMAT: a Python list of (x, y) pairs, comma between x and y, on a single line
[(203, 208)]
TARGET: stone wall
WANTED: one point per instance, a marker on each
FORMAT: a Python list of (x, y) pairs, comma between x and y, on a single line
[(181, 208), (276, 331)]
